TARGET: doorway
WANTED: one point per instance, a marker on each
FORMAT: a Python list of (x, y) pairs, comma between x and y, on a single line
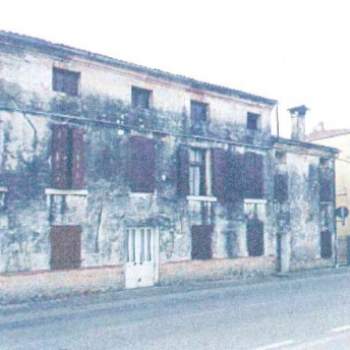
[(142, 256)]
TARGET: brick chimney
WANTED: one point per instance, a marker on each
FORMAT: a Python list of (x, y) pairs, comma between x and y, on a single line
[(298, 122)]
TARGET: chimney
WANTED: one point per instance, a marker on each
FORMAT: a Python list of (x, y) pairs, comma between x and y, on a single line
[(298, 122)]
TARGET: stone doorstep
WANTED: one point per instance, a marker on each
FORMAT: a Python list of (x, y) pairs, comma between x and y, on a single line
[(158, 290)]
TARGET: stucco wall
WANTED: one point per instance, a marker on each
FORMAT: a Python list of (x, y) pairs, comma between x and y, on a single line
[(109, 207)]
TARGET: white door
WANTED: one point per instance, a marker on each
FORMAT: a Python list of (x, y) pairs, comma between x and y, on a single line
[(141, 268)]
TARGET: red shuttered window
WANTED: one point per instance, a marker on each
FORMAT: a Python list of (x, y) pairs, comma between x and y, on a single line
[(183, 182), (220, 173), (141, 164), (59, 157), (67, 157), (253, 175)]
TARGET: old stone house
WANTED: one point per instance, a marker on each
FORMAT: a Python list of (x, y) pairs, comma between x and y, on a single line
[(128, 176)]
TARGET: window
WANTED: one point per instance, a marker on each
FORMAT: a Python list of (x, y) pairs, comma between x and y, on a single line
[(255, 237), (199, 172), (65, 244), (201, 242), (253, 121), (65, 81), (140, 98), (281, 157), (67, 158), (199, 112), (141, 166)]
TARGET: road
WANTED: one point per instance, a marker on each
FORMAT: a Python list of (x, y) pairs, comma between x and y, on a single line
[(302, 313)]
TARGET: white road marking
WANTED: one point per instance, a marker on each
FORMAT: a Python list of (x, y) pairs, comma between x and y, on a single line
[(341, 329), (276, 345)]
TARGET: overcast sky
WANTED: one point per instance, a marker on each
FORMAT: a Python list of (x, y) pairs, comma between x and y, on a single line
[(295, 51)]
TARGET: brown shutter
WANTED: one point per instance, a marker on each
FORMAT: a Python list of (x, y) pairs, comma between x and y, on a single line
[(78, 158), (65, 244), (141, 167), (201, 242), (255, 237), (326, 185), (219, 172), (234, 182), (281, 187), (59, 156), (253, 175), (183, 185), (326, 244)]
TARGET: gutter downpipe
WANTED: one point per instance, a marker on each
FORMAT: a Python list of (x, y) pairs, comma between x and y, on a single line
[(336, 257)]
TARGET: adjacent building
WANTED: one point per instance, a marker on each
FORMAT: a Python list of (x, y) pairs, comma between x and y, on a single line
[(339, 138), (130, 176)]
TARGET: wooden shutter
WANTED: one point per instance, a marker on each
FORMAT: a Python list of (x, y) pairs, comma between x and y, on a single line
[(78, 159), (65, 247), (253, 175), (219, 173), (326, 244), (183, 185), (234, 182), (255, 237), (201, 242), (326, 186), (141, 167), (59, 157), (281, 187)]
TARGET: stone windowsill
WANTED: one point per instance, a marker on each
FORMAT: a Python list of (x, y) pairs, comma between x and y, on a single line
[(202, 198), (55, 192), (254, 201)]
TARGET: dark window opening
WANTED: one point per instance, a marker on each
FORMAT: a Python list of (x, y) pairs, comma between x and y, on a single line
[(253, 121), (199, 112), (281, 156), (199, 117), (140, 98), (255, 237), (326, 244), (65, 247), (197, 172), (65, 81), (201, 242)]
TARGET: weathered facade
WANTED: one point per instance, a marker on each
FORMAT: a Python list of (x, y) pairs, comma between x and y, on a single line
[(147, 177), (339, 138)]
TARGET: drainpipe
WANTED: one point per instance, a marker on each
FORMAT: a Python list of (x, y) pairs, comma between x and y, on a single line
[(336, 258)]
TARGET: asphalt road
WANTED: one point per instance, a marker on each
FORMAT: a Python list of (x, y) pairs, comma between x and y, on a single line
[(304, 313)]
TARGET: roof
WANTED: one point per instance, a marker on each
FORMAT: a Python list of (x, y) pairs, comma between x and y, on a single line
[(304, 144), (326, 134), (25, 41)]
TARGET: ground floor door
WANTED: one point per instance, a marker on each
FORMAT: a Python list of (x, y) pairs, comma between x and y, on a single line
[(65, 247), (142, 251), (201, 242), (326, 244), (283, 252)]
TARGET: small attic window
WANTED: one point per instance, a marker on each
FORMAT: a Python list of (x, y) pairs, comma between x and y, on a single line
[(65, 81), (281, 156), (253, 121), (140, 98), (324, 162)]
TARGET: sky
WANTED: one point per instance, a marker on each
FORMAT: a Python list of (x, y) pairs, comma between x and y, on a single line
[(295, 51)]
